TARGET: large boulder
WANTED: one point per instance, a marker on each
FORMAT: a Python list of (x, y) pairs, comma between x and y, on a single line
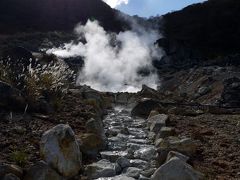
[(185, 146), (144, 107), (91, 144), (148, 92), (176, 169), (102, 168), (60, 150), (11, 98), (41, 171)]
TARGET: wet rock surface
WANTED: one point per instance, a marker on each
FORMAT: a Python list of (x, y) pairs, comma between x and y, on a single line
[(128, 149)]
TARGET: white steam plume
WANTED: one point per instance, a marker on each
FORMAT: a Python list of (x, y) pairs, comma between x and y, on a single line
[(115, 3), (114, 68)]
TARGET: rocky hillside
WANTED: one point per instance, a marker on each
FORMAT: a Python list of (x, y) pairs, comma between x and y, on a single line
[(51, 15), (203, 31)]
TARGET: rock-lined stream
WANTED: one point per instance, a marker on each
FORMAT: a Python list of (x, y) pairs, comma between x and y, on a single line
[(129, 154)]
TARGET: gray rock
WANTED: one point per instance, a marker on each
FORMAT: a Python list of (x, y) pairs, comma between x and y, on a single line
[(157, 122), (158, 142), (176, 169), (90, 144), (120, 177), (123, 162), (112, 156), (102, 168), (144, 107), (118, 168), (147, 153), (10, 169), (143, 177), (11, 177), (135, 146), (125, 131), (60, 150), (162, 119), (139, 141), (41, 171), (95, 126), (132, 172), (139, 163), (151, 136), (166, 132), (185, 146), (148, 172), (153, 113), (204, 90), (172, 154)]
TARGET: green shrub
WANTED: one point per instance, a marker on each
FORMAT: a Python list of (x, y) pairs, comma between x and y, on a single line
[(19, 157)]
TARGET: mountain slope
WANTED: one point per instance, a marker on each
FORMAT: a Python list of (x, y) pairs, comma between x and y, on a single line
[(50, 15), (207, 29)]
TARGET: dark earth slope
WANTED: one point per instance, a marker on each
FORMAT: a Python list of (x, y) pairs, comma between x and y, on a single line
[(205, 30), (51, 15)]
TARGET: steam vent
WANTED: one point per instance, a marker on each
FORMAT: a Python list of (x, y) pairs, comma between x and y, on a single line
[(119, 90)]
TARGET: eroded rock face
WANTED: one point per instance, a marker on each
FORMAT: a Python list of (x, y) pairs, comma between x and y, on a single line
[(41, 171), (176, 169), (60, 150)]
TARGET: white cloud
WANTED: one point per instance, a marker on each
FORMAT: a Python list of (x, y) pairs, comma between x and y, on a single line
[(115, 3)]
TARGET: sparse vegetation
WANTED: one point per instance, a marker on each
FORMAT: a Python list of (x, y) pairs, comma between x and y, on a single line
[(19, 157), (49, 81)]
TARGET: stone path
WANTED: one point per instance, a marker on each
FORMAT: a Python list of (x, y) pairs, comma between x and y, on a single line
[(130, 154)]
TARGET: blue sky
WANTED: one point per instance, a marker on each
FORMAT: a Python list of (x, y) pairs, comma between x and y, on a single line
[(146, 8)]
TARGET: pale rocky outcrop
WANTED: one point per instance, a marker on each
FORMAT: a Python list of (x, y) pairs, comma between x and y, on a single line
[(176, 169), (60, 150)]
